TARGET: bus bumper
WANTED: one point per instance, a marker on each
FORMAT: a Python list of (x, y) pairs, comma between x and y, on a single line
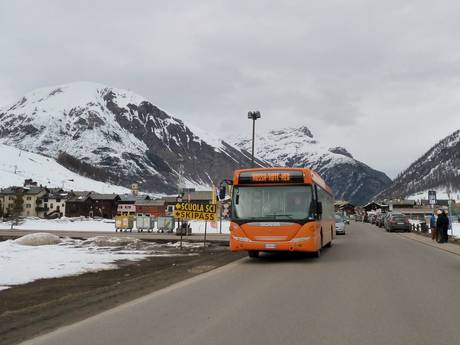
[(299, 244)]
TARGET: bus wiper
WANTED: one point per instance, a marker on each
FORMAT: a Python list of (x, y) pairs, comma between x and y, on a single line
[(278, 215)]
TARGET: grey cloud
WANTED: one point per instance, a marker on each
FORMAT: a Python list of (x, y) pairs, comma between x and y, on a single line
[(350, 70)]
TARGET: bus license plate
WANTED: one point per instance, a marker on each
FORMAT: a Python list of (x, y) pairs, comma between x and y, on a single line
[(270, 245)]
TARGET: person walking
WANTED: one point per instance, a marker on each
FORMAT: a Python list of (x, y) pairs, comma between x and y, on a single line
[(434, 232), (442, 225)]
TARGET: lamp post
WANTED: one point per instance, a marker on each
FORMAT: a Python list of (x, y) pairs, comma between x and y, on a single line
[(253, 115), (179, 225)]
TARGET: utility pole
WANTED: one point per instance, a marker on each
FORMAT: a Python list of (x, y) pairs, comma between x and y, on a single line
[(253, 115)]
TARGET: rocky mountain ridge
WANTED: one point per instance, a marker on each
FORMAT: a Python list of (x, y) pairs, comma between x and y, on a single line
[(120, 132), (297, 147), (438, 169)]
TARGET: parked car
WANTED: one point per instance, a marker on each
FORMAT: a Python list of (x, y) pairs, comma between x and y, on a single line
[(397, 221), (339, 225)]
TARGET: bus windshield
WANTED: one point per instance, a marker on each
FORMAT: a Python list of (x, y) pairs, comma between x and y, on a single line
[(273, 203)]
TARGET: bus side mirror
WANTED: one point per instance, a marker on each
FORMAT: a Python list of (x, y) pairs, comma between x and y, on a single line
[(320, 207), (222, 192)]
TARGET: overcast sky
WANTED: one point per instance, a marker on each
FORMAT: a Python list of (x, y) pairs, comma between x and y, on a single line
[(381, 78)]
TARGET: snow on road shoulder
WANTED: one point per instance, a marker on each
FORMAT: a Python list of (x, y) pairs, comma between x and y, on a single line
[(101, 225), (21, 264), (455, 230), (63, 224)]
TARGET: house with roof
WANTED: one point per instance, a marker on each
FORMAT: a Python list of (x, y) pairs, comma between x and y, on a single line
[(91, 204), (52, 205), (373, 206), (126, 205), (344, 207), (78, 204), (103, 205), (30, 196), (153, 208)]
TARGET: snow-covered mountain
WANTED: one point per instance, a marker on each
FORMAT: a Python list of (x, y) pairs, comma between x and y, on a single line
[(296, 147), (116, 135), (17, 165), (438, 169)]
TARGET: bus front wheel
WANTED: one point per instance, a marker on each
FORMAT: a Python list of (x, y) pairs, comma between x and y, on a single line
[(253, 253)]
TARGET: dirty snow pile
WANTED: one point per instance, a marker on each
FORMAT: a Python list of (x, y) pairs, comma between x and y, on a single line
[(44, 255), (101, 225), (63, 224)]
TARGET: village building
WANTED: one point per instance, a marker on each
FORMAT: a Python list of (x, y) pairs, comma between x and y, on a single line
[(103, 205), (30, 196), (153, 208), (344, 207), (78, 204), (126, 205), (91, 204), (374, 206), (52, 205), (2, 202)]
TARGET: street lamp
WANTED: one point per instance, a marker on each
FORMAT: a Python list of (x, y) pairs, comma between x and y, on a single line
[(253, 115)]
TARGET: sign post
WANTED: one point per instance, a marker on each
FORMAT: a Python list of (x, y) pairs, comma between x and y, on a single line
[(179, 226), (195, 211), (432, 197)]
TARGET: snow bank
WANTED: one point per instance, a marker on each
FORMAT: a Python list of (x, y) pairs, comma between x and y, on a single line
[(101, 225), (39, 239), (21, 264), (456, 230), (64, 224), (109, 241)]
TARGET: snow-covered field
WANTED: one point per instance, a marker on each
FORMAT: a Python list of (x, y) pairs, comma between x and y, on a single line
[(102, 225), (20, 264)]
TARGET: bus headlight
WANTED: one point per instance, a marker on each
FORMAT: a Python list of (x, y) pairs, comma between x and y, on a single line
[(300, 239), (241, 239)]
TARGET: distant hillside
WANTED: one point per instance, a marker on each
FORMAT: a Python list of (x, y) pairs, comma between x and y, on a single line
[(297, 147), (120, 134), (438, 169)]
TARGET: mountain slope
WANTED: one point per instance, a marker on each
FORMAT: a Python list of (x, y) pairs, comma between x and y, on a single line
[(17, 165), (438, 169), (296, 147), (117, 131)]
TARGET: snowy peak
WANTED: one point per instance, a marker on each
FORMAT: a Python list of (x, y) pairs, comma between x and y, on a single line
[(297, 147), (119, 131), (340, 151), (294, 147)]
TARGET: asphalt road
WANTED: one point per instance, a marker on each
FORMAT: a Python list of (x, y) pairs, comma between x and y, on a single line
[(371, 287)]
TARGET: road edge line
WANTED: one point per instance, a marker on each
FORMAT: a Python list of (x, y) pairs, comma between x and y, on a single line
[(138, 300), (429, 244)]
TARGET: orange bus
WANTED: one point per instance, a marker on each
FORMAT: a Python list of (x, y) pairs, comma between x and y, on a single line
[(281, 209)]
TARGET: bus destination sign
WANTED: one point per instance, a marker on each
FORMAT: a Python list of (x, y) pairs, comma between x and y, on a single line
[(271, 177)]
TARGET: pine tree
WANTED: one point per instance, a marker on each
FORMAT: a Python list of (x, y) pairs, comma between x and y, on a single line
[(17, 209)]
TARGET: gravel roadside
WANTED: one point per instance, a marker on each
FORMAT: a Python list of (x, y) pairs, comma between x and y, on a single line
[(44, 305)]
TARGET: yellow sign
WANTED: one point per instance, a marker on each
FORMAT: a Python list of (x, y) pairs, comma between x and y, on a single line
[(194, 211)]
